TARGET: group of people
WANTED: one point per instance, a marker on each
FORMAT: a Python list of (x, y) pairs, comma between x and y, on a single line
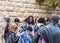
[(32, 30)]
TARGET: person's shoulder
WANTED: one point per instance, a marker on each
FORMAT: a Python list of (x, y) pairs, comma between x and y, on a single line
[(48, 26), (24, 25)]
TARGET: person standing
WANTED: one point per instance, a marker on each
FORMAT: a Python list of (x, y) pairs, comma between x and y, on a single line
[(17, 21), (6, 28), (13, 36), (51, 31), (30, 22), (26, 36), (41, 22)]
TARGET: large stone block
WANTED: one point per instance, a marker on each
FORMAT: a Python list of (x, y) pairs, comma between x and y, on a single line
[(14, 0), (1, 19), (5, 3), (22, 10), (2, 8), (30, 10), (20, 4), (13, 14), (16, 9), (9, 8), (31, 1), (28, 14), (13, 4), (20, 14), (17, 0), (28, 5), (39, 10), (3, 13)]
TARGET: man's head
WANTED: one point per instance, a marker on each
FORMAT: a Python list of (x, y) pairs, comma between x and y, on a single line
[(41, 20), (54, 18), (16, 21), (7, 18), (29, 29)]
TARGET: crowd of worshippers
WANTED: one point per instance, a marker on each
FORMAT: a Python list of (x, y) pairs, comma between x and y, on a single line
[(32, 30)]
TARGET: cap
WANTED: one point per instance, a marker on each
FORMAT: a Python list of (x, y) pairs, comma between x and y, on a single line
[(6, 17)]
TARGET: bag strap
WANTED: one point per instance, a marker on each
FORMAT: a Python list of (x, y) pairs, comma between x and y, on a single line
[(42, 31)]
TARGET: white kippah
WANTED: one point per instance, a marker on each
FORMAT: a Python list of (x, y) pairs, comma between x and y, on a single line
[(7, 17)]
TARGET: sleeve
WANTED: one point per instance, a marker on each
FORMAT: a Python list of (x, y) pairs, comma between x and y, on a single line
[(24, 26), (37, 35), (35, 38)]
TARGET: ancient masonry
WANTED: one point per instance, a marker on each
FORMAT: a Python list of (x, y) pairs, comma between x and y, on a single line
[(22, 9)]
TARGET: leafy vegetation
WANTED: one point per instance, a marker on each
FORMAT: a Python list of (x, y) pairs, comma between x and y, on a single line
[(50, 3)]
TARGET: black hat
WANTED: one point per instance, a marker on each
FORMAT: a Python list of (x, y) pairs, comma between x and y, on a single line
[(41, 20), (29, 28), (16, 20)]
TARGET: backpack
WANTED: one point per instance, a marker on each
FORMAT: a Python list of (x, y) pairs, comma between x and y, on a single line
[(41, 38)]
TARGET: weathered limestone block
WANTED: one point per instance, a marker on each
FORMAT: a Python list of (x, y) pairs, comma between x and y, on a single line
[(30, 10), (16, 9), (13, 14)]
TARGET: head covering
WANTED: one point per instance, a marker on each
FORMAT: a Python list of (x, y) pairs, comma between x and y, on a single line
[(6, 17), (41, 20), (29, 28), (16, 20)]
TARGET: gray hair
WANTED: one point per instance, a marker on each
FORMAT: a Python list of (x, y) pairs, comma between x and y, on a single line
[(54, 17)]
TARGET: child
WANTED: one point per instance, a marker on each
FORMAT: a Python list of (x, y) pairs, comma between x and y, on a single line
[(13, 37)]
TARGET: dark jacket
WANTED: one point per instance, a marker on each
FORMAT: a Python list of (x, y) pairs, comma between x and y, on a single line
[(7, 32), (51, 34), (13, 38)]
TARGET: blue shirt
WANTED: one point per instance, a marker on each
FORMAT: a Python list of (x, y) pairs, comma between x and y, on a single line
[(25, 37), (34, 26)]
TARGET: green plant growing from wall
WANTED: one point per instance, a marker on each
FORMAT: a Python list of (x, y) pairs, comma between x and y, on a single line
[(50, 3)]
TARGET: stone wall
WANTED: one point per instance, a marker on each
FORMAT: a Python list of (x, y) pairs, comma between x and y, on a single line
[(22, 9)]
